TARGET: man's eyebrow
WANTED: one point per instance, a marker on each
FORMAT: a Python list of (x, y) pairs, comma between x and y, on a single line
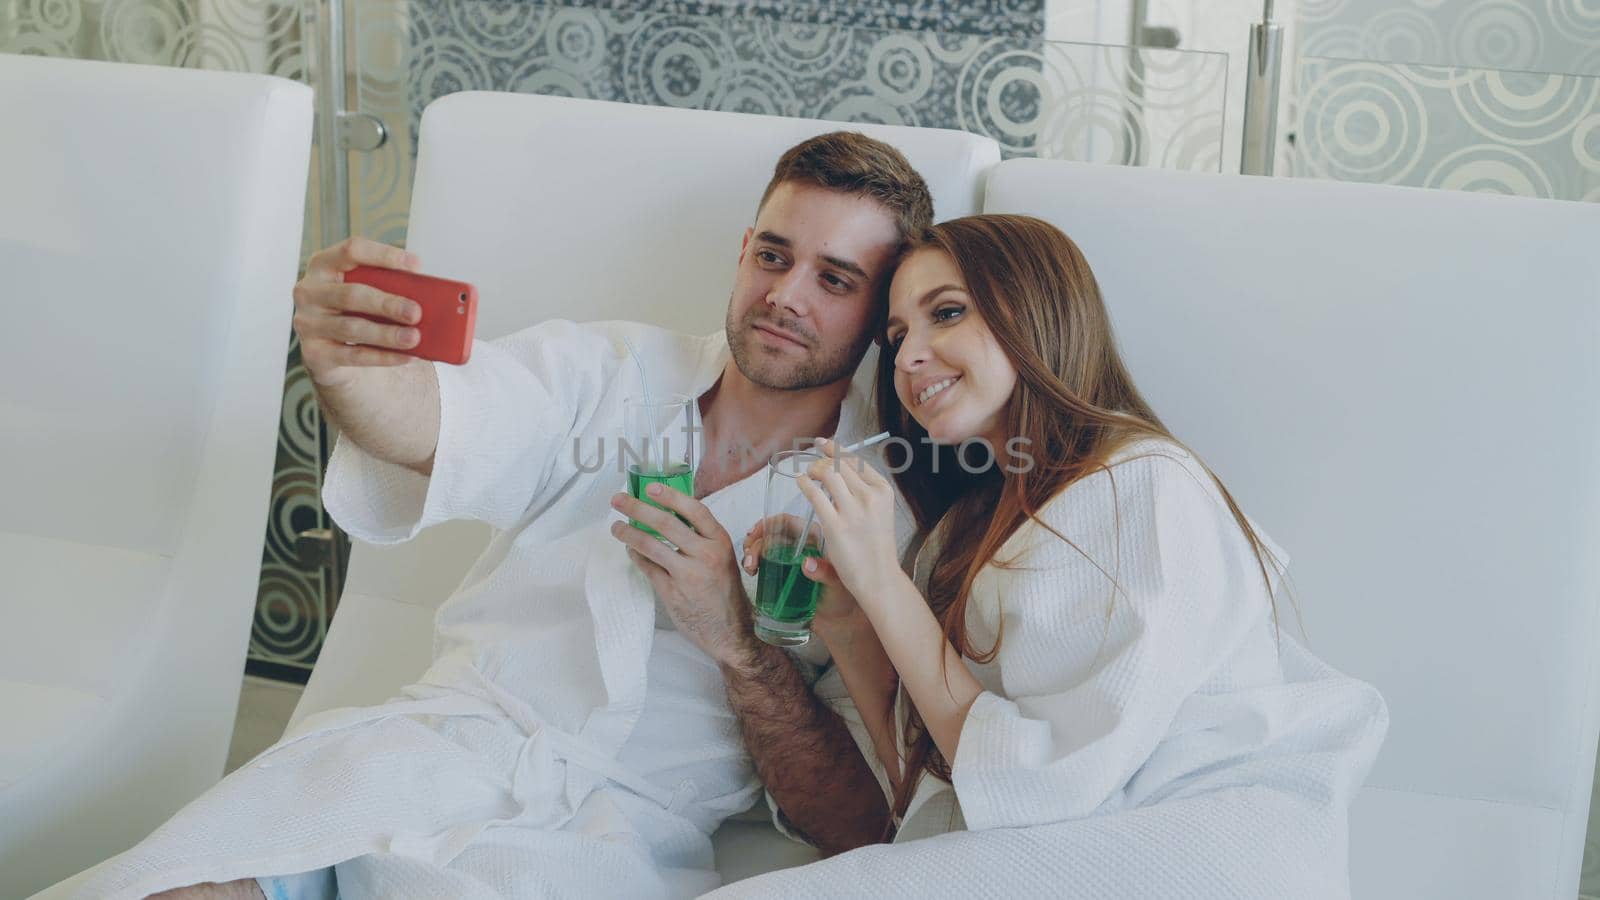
[(894, 320), (774, 238), (846, 265)]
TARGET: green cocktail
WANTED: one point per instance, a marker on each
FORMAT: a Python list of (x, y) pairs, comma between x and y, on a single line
[(785, 598), (676, 476), (657, 441)]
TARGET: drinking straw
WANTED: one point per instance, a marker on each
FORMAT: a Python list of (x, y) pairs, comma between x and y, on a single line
[(805, 530), (644, 387)]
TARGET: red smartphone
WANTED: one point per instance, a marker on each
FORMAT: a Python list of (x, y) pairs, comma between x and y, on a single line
[(449, 310)]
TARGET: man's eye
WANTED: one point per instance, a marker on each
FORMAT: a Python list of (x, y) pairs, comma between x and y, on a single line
[(836, 281), (767, 256)]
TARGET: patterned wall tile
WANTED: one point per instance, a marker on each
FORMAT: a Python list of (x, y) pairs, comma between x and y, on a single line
[(995, 18), (1561, 36), (1523, 133), (1037, 98)]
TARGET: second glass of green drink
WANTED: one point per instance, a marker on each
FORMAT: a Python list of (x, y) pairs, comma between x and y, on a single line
[(785, 598), (658, 445)]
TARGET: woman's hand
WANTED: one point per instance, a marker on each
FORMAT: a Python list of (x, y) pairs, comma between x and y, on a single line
[(836, 605), (856, 514)]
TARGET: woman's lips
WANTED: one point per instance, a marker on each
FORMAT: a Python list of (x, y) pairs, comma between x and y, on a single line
[(933, 401)]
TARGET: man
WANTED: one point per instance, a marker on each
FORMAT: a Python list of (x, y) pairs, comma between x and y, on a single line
[(584, 726)]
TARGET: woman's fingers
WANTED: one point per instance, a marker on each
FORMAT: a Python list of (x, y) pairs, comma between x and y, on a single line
[(827, 516), (844, 497), (852, 469), (826, 472), (858, 474)]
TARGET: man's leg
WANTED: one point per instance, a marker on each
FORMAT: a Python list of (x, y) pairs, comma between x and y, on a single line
[(243, 889)]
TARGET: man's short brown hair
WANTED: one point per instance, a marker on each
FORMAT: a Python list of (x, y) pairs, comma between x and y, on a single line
[(853, 163)]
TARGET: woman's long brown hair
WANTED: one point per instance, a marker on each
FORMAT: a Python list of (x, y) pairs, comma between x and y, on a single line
[(1074, 403)]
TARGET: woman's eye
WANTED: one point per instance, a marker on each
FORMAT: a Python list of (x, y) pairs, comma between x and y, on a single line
[(946, 313), (894, 341)]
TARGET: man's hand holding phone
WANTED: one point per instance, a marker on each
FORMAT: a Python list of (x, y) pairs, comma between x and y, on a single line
[(345, 327), (359, 336)]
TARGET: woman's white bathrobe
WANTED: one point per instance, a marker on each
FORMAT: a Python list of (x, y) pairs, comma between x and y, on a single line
[(1159, 743), (560, 745)]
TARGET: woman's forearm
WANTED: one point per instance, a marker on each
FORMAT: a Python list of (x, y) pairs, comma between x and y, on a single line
[(931, 670), (870, 678)]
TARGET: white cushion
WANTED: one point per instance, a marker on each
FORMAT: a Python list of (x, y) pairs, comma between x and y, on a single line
[(39, 719), (1411, 844), (745, 848), (80, 614), (375, 647)]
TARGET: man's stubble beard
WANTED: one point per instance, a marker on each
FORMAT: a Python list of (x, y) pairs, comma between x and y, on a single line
[(818, 369)]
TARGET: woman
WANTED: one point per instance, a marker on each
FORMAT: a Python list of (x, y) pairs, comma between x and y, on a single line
[(1089, 642)]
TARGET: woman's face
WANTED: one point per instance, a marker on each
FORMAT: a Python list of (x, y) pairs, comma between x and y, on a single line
[(949, 371)]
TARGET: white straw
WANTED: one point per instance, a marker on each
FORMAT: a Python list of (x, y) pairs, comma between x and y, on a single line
[(649, 408), (878, 438)]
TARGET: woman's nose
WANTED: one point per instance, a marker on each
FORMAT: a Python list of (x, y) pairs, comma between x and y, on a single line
[(911, 356)]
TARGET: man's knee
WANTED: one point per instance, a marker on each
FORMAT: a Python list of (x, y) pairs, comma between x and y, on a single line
[(243, 889)]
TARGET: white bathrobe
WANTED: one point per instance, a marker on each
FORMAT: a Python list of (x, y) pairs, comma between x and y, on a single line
[(1159, 743), (560, 745)]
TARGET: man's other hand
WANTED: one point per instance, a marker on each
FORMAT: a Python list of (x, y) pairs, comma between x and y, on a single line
[(695, 571)]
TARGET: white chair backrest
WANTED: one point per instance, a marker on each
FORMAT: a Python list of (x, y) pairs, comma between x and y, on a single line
[(150, 223), (592, 210), (1400, 386), (123, 273)]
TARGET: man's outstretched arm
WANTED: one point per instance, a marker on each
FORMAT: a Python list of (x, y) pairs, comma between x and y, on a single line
[(382, 400)]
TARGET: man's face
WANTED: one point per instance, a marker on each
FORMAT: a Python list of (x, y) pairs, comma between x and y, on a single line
[(809, 277)]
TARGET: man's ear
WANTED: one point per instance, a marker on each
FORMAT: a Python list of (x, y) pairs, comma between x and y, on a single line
[(744, 243)]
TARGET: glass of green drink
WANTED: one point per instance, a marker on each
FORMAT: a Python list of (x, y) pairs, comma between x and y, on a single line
[(658, 445), (785, 598)]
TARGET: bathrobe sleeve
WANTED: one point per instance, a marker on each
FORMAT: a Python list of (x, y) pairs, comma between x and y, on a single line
[(1092, 681), (505, 425)]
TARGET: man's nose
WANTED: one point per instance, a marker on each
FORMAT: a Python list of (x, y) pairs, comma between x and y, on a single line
[(788, 294)]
